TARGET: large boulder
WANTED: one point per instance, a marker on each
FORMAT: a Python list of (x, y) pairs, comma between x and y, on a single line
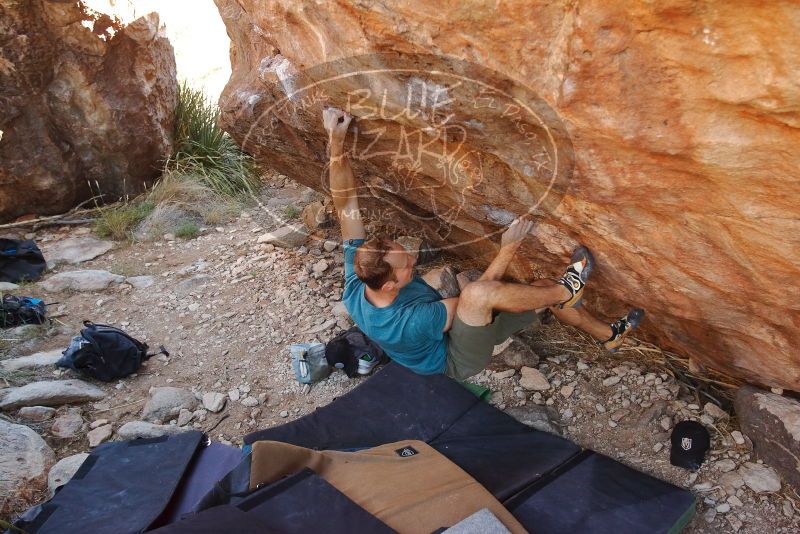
[(50, 393), (772, 422), (24, 458), (86, 105), (660, 136)]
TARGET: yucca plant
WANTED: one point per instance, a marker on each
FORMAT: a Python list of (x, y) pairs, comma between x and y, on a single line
[(206, 153)]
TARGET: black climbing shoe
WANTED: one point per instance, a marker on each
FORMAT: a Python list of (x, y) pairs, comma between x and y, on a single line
[(575, 277), (622, 328)]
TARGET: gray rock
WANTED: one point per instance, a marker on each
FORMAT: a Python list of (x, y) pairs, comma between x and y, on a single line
[(140, 282), (288, 237), (519, 354), (40, 359), (611, 381), (329, 246), (53, 393), (75, 250), (64, 470), (234, 394), (731, 481), (8, 286), (760, 478), (772, 422), (190, 285), (143, 429), (320, 267), (715, 411), (185, 417), (502, 375), (24, 457), (214, 402), (166, 402), (330, 323), (533, 380), (725, 465), (340, 311), (99, 435), (443, 280), (539, 417), (250, 402), (88, 280), (67, 426), (36, 414), (738, 437)]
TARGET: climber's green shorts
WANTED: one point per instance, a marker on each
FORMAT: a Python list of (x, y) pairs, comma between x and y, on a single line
[(470, 347)]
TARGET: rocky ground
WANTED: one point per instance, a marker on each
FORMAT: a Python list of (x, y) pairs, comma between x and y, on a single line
[(227, 305)]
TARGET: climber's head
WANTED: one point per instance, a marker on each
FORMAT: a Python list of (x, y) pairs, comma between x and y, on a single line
[(383, 264)]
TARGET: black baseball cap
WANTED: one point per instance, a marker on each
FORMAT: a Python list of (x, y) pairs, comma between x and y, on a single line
[(690, 442)]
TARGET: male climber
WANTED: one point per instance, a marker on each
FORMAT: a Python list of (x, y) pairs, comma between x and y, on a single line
[(414, 324)]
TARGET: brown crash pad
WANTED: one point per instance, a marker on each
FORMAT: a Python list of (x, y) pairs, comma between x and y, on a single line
[(408, 485)]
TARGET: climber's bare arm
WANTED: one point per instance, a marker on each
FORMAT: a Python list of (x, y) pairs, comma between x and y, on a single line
[(451, 304), (343, 183)]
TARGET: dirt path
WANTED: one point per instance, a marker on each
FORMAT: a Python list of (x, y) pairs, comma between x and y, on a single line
[(227, 308)]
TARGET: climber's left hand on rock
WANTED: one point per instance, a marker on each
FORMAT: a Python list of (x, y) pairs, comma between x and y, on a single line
[(336, 123)]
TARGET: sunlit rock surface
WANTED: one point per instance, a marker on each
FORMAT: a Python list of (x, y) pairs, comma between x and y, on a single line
[(86, 106), (662, 135)]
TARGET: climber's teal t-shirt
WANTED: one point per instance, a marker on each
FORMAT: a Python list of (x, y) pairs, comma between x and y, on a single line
[(409, 329)]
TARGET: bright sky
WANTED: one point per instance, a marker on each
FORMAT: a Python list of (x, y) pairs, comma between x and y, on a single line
[(196, 32)]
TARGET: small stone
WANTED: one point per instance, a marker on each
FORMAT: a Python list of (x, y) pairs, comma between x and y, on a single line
[(250, 402), (619, 415), (703, 486), (169, 237), (658, 446), (66, 426), (284, 414), (36, 414), (787, 508), (582, 366), (329, 246), (693, 407), (99, 435), (723, 508), (738, 438), (777, 391), (715, 411), (320, 267), (600, 408), (710, 515), (532, 379), (735, 522), (287, 236), (666, 423), (611, 381), (726, 465), (214, 402), (733, 500), (566, 391), (140, 282), (98, 423), (502, 375), (185, 417), (234, 394)]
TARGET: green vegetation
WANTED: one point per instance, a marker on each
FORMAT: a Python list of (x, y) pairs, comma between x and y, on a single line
[(207, 179), (291, 211), (187, 230), (117, 222), (206, 153)]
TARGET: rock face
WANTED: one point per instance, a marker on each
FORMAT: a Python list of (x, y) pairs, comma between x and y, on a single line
[(647, 134), (68, 80), (772, 422)]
